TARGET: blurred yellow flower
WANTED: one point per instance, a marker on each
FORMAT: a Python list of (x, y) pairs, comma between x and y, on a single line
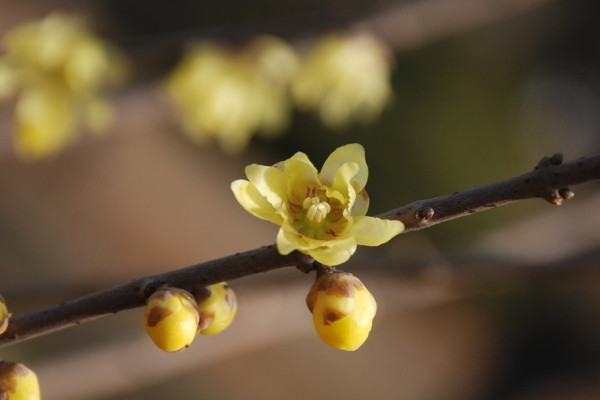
[(342, 309), (229, 96), (321, 214), (58, 70), (345, 78)]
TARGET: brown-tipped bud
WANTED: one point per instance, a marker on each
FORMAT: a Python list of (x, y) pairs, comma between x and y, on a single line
[(171, 319), (17, 382), (217, 306), (4, 316), (343, 310)]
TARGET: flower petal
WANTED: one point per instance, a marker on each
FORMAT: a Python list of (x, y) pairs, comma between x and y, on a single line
[(336, 252), (300, 178), (342, 183), (254, 202), (361, 204), (269, 181), (349, 153), (371, 231), (287, 241)]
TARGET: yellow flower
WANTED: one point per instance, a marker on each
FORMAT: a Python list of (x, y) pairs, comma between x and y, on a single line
[(58, 70), (217, 306), (229, 96), (321, 214), (342, 309), (17, 382), (171, 319), (345, 78), (4, 316)]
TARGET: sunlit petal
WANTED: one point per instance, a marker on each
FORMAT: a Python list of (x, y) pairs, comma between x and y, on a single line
[(269, 181), (254, 202), (371, 231), (349, 153), (336, 252)]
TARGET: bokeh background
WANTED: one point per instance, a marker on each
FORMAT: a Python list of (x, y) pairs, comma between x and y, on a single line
[(499, 305)]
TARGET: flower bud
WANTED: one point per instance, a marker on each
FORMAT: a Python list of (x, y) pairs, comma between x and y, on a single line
[(17, 382), (4, 316), (217, 306), (171, 319), (342, 309)]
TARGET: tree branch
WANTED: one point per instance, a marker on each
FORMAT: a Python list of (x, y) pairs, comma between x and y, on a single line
[(549, 180)]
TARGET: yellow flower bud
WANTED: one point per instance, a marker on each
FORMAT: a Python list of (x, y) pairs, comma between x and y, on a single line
[(171, 319), (17, 382), (217, 306), (342, 309), (4, 316)]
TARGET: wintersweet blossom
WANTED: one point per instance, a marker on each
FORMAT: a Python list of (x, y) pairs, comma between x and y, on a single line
[(57, 70), (321, 214), (230, 95), (345, 78)]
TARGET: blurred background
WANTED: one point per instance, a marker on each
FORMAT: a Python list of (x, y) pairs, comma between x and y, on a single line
[(500, 305)]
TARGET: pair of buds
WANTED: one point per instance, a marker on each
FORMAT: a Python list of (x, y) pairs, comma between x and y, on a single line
[(174, 316)]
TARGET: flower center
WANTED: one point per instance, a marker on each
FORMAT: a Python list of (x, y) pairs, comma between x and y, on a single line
[(317, 210)]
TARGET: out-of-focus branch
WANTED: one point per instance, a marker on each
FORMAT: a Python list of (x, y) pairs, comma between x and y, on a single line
[(414, 24), (549, 180)]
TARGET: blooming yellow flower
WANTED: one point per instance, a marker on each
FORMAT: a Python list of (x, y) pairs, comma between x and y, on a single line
[(230, 95), (345, 78), (17, 382), (58, 70), (217, 306), (342, 309), (321, 214), (171, 319), (4, 316)]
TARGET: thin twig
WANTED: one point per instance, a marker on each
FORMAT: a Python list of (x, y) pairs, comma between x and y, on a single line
[(549, 180)]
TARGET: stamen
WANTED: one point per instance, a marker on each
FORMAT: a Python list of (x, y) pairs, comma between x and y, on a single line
[(317, 210)]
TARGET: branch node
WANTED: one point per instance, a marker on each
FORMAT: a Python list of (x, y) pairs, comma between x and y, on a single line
[(566, 193), (554, 159), (423, 214), (147, 286), (553, 197)]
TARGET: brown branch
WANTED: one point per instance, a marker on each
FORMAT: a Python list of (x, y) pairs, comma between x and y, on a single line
[(549, 180)]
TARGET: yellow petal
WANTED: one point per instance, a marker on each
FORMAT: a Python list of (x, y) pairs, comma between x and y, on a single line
[(349, 153), (289, 241), (337, 251), (342, 182), (45, 122), (371, 231), (254, 202), (269, 181), (361, 204), (8, 79), (300, 176)]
